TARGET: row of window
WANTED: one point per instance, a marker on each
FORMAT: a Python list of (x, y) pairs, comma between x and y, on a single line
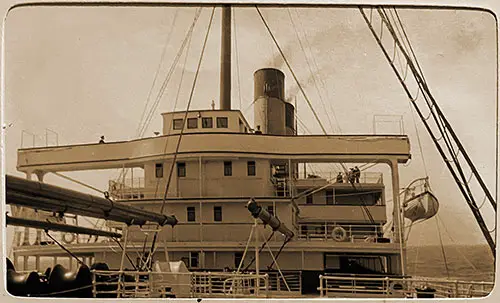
[(228, 169), (328, 196), (206, 122), (191, 213), (193, 261)]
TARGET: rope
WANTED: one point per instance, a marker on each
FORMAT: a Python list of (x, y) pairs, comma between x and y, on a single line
[(77, 182), (64, 248), (183, 125), (454, 242), (260, 250), (278, 254), (126, 255), (442, 249), (64, 291)]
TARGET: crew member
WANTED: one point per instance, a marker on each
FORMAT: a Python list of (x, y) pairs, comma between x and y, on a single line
[(340, 178), (357, 174), (102, 140)]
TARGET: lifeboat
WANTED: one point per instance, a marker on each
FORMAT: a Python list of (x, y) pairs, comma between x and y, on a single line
[(419, 203)]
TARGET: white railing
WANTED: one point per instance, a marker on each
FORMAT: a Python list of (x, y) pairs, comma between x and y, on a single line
[(419, 287), (365, 177), (333, 231), (136, 284), (128, 188)]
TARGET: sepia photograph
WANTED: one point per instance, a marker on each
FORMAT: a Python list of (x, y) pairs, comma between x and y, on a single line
[(250, 150)]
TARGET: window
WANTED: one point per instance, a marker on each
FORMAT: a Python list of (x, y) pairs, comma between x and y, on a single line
[(181, 169), (270, 209), (207, 122), (238, 256), (193, 123), (191, 214), (222, 122), (309, 199), (159, 170), (194, 257), (217, 213), (228, 168), (329, 196), (251, 168), (178, 123)]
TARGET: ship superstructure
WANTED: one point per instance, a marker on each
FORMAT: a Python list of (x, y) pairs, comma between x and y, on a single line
[(206, 166), (221, 163)]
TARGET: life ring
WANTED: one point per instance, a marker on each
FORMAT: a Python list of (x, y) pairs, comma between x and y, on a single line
[(68, 238), (339, 234), (395, 288)]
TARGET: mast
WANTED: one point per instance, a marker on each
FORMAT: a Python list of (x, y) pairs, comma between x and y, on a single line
[(225, 56)]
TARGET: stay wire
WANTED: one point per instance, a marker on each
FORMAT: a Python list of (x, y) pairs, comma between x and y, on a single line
[(183, 125), (175, 104), (64, 248), (291, 70), (162, 56), (310, 69), (260, 250)]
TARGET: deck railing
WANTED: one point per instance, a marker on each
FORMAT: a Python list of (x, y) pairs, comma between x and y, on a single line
[(137, 284), (333, 231), (292, 278), (420, 287)]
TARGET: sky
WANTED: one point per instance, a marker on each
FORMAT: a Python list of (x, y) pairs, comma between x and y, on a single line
[(87, 72)]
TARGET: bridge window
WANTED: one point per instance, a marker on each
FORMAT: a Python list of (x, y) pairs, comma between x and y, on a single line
[(238, 256), (159, 170), (251, 168), (178, 123), (228, 168), (192, 123), (218, 213), (194, 258), (222, 122), (181, 169), (191, 214), (329, 196), (207, 122)]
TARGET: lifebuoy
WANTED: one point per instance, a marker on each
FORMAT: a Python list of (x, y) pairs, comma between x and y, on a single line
[(68, 238), (339, 234), (395, 288)]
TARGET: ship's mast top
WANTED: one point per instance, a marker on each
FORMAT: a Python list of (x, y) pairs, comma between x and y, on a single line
[(225, 62)]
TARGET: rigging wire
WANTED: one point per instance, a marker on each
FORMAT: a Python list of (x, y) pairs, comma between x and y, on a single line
[(260, 250), (442, 249), (310, 69), (291, 70), (182, 129), (175, 105), (142, 129), (162, 56), (237, 56), (64, 248), (316, 65), (170, 73)]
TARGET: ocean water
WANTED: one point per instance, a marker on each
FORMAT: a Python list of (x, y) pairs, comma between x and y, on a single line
[(464, 262)]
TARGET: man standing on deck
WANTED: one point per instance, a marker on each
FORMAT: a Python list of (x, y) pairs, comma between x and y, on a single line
[(357, 174)]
